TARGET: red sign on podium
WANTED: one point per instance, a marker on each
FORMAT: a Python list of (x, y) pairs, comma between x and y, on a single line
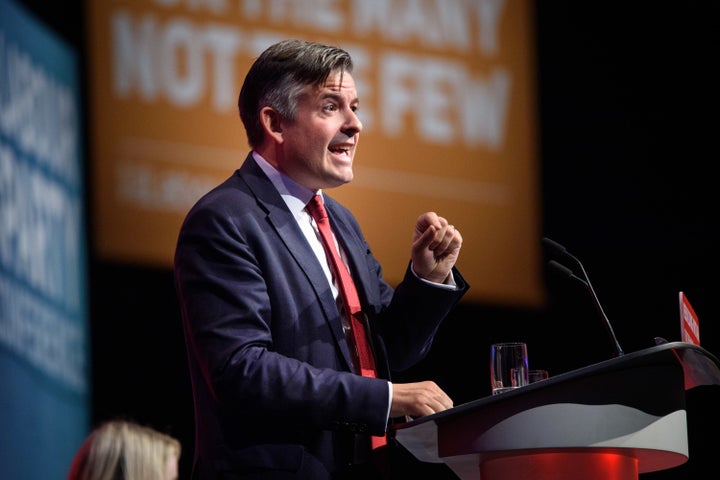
[(689, 323)]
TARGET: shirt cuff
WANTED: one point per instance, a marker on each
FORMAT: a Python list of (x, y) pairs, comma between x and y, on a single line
[(448, 285)]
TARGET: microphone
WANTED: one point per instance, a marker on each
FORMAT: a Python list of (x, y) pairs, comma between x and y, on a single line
[(566, 272)]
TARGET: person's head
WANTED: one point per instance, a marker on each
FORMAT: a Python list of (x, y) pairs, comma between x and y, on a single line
[(298, 105), (124, 450)]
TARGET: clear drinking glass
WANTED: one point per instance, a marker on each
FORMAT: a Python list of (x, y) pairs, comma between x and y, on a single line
[(537, 374), (508, 366)]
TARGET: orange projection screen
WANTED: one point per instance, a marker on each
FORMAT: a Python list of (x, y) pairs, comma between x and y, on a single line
[(447, 99)]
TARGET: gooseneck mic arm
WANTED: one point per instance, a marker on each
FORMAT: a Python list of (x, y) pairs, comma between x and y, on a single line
[(557, 267)]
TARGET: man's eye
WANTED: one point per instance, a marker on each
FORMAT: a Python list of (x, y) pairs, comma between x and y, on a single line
[(330, 107)]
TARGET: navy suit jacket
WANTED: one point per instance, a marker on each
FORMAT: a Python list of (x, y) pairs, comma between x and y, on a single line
[(271, 372)]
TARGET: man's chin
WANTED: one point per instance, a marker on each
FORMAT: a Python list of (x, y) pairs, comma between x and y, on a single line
[(340, 179), (336, 184)]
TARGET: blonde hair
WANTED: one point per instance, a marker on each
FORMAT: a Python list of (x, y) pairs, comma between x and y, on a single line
[(123, 450)]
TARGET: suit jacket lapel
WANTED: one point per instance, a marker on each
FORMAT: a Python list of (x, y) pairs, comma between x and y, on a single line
[(290, 235)]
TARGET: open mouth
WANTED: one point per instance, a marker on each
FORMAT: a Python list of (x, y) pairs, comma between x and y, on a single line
[(343, 149)]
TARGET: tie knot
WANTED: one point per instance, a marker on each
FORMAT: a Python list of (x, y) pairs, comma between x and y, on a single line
[(316, 209)]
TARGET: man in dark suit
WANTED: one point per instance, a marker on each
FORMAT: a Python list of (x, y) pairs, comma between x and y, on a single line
[(276, 390)]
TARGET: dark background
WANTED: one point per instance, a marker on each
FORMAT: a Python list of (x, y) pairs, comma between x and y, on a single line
[(628, 114)]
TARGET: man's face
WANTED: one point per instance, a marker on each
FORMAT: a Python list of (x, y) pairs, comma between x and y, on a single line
[(319, 145)]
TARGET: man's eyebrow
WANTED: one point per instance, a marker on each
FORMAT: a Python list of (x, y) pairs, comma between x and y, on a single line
[(338, 96)]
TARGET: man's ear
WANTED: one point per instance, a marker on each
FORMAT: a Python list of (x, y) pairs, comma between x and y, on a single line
[(271, 122)]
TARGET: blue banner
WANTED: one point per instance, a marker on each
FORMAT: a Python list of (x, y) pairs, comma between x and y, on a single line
[(44, 346)]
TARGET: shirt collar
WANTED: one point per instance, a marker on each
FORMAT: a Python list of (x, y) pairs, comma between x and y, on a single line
[(295, 195)]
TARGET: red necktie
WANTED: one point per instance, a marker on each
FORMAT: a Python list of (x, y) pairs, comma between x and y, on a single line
[(348, 292)]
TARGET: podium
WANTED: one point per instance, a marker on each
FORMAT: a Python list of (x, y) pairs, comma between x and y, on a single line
[(610, 420)]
